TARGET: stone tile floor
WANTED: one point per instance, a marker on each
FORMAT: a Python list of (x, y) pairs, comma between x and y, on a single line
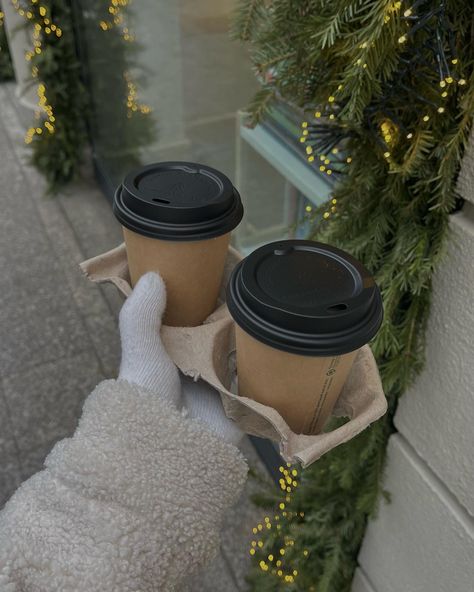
[(58, 332)]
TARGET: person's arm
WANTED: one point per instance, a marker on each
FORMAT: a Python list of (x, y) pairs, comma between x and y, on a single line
[(135, 499)]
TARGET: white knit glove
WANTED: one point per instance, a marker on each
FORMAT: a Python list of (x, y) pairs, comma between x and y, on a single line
[(145, 361)]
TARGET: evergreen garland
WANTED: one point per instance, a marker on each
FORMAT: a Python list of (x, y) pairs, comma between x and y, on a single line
[(59, 136), (390, 92), (6, 69)]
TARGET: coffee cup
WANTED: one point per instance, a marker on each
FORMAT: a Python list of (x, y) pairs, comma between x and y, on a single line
[(302, 309), (177, 218)]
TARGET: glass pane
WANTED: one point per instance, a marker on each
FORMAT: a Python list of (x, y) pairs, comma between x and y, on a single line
[(167, 83)]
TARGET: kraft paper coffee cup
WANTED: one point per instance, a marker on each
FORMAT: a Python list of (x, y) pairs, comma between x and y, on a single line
[(302, 310), (177, 218)]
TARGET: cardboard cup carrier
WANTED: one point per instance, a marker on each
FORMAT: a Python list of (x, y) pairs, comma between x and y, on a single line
[(207, 352), (302, 309), (177, 218)]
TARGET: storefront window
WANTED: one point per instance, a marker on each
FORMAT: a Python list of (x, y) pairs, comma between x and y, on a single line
[(167, 83)]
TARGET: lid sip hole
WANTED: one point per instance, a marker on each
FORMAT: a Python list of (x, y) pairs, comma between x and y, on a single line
[(340, 306), (158, 199)]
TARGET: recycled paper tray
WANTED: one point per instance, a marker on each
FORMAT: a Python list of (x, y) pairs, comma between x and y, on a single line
[(207, 352)]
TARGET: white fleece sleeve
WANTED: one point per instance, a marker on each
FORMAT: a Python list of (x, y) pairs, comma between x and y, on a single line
[(132, 502)]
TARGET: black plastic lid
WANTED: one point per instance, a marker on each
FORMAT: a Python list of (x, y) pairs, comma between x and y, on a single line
[(179, 201), (306, 298)]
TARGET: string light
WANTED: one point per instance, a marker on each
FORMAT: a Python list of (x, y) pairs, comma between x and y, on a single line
[(116, 11), (132, 103)]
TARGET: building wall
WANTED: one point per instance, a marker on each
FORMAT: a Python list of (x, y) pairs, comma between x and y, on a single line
[(423, 541)]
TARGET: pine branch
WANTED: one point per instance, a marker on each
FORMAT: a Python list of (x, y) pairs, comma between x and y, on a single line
[(246, 18), (261, 104)]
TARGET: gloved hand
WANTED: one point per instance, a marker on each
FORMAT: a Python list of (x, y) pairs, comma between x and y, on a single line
[(145, 361)]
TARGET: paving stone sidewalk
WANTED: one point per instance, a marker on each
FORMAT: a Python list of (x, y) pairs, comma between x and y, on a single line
[(58, 332)]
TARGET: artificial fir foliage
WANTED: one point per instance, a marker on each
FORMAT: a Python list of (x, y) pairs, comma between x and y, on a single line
[(58, 135), (6, 69), (389, 94)]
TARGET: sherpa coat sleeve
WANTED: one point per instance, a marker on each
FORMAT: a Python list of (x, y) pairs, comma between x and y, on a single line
[(132, 502)]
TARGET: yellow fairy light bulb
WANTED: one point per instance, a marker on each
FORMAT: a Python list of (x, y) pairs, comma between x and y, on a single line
[(259, 527), (334, 201), (270, 558), (442, 83), (103, 25), (332, 116), (334, 151), (454, 61), (279, 572), (322, 168), (329, 172), (440, 109), (402, 39), (322, 157), (349, 160), (42, 11), (306, 552), (409, 136), (407, 13), (317, 114), (304, 124), (308, 209), (461, 82), (449, 79), (294, 472), (252, 551), (331, 99), (386, 154), (326, 215), (263, 566), (444, 94), (260, 544), (426, 118), (309, 150), (254, 530), (359, 62), (305, 132), (282, 551), (327, 161), (340, 87)]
